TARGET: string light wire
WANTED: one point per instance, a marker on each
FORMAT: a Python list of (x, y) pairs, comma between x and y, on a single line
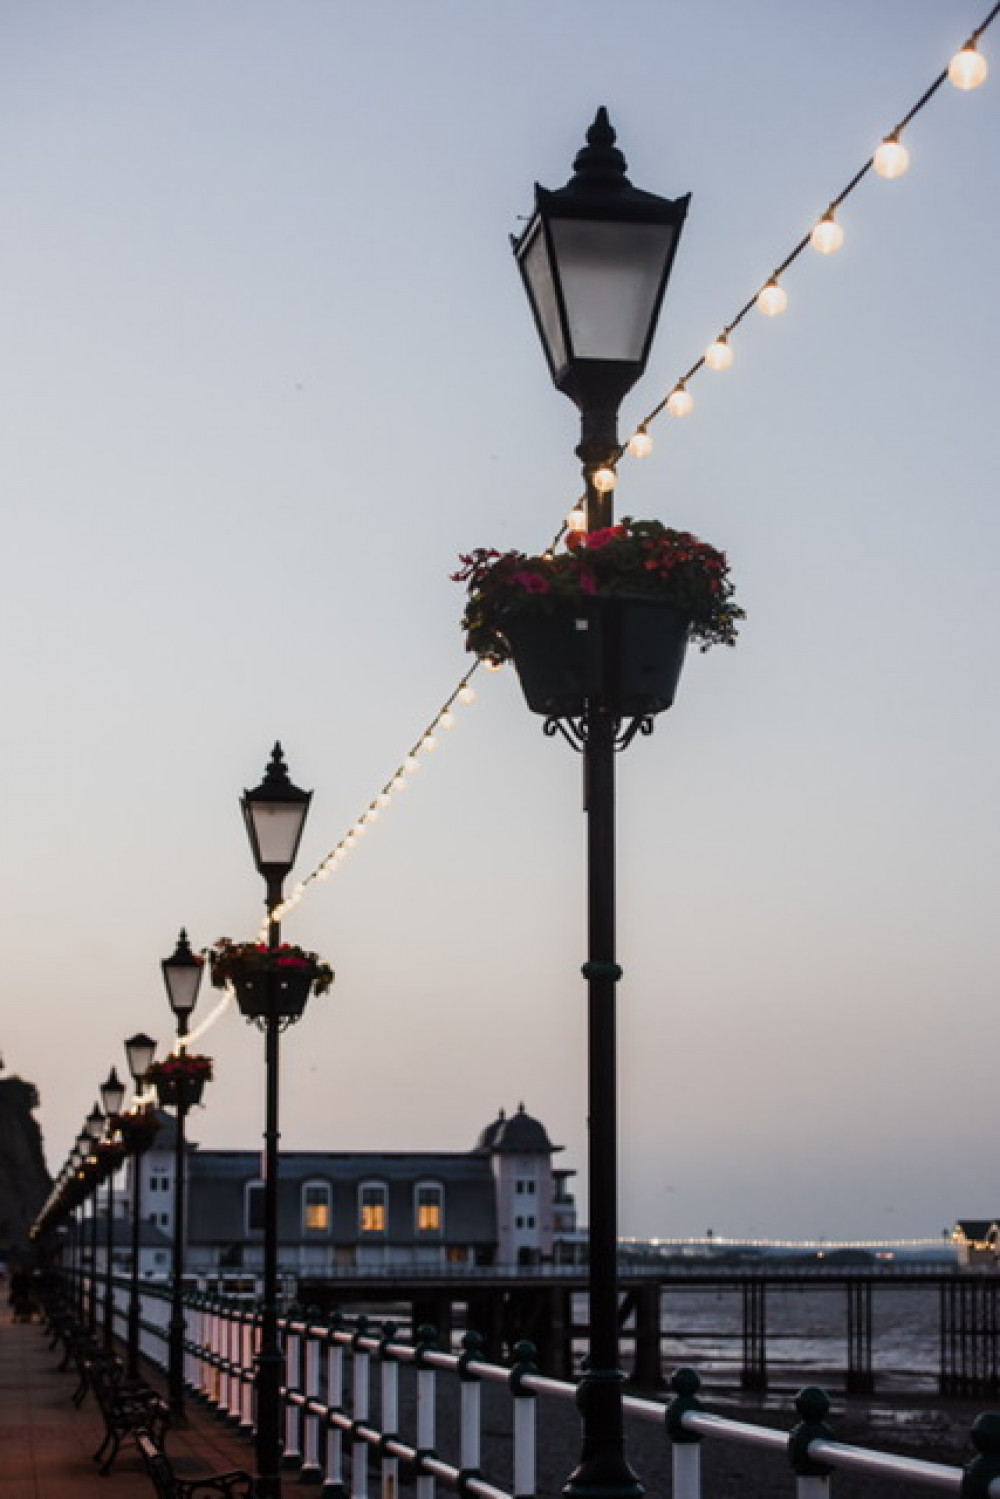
[(427, 743)]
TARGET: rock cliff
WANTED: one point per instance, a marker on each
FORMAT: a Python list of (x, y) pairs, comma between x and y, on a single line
[(24, 1180)]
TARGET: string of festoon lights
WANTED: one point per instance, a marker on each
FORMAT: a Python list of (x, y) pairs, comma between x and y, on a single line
[(821, 1246), (966, 71), (425, 745)]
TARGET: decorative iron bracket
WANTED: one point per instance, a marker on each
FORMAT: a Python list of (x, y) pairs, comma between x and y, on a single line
[(574, 730)]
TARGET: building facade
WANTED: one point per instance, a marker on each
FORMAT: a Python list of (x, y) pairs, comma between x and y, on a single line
[(499, 1203)]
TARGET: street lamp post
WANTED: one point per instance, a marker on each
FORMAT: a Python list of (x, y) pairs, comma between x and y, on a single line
[(139, 1050), (93, 1129), (275, 814), (112, 1092), (81, 1150), (595, 259), (182, 976)]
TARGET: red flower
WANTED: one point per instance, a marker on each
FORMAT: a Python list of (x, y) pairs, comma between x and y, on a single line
[(594, 540)]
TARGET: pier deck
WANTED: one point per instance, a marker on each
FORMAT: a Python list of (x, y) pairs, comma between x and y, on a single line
[(46, 1443)]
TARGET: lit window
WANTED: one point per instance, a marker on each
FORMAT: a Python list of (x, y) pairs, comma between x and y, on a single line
[(316, 1208), (429, 1208), (373, 1212)]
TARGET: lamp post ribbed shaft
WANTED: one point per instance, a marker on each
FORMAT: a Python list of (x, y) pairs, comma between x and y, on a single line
[(270, 1357), (603, 1468), (177, 1329), (109, 1278), (132, 1341)]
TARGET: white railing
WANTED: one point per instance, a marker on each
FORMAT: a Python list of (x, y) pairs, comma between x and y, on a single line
[(361, 1399)]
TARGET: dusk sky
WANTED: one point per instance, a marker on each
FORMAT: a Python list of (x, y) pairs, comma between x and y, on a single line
[(267, 369)]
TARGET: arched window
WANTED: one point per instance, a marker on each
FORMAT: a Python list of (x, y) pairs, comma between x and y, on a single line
[(372, 1208), (428, 1207), (316, 1208)]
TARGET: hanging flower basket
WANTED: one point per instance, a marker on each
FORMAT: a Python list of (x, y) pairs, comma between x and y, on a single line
[(110, 1154), (624, 653), (180, 1079), (138, 1131), (606, 622), (270, 982)]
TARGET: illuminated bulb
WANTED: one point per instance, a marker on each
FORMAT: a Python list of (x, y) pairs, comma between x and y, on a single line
[(299, 891), (640, 444), (968, 68), (492, 664), (680, 401), (373, 814), (891, 159), (398, 781), (360, 828), (827, 235), (466, 694), (383, 798), (719, 356), (772, 299), (411, 764), (428, 742), (323, 872), (603, 480), (447, 719), (577, 519)]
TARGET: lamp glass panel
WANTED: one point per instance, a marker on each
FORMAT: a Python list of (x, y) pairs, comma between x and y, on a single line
[(140, 1055), (112, 1096), (278, 826), (541, 287), (611, 276), (183, 981)]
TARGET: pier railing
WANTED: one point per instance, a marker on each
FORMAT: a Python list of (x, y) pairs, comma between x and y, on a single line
[(366, 1405)]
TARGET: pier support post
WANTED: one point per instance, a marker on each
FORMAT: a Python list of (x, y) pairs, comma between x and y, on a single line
[(860, 1375), (753, 1375)]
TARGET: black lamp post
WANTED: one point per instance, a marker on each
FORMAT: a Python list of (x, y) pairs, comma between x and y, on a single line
[(139, 1050), (595, 259), (275, 814), (182, 976), (112, 1092), (81, 1150), (93, 1129)]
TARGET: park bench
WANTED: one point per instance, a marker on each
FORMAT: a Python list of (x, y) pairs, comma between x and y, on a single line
[(167, 1484), (126, 1407)]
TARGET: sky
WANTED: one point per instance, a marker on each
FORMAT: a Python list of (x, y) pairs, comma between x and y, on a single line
[(267, 368)]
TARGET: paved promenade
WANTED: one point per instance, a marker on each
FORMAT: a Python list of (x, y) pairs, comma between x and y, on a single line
[(46, 1443)]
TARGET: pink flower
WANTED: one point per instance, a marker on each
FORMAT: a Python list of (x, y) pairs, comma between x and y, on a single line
[(588, 581), (531, 582)]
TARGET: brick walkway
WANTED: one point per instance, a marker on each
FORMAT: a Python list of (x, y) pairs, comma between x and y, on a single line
[(46, 1443)]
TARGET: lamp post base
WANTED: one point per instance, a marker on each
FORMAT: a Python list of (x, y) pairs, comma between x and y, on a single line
[(269, 1444), (603, 1472)]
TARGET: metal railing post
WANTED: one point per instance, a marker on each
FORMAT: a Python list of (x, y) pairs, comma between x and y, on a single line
[(525, 1447), (311, 1470), (361, 1393), (685, 1445), (390, 1411), (333, 1483)]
